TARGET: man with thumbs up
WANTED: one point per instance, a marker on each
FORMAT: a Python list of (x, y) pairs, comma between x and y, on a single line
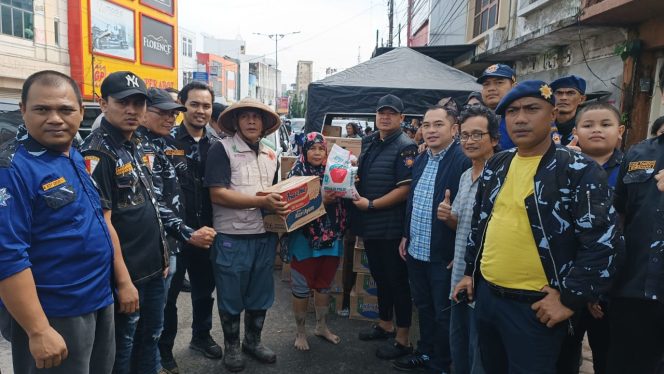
[(428, 243)]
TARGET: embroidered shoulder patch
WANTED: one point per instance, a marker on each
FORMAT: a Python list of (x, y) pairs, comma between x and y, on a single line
[(641, 165), (148, 160), (53, 184), (91, 163), (408, 157)]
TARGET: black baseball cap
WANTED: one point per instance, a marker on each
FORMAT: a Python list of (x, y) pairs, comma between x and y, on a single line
[(217, 109), (122, 84), (390, 101), (161, 99)]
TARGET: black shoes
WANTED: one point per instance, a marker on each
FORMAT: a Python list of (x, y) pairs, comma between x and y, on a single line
[(393, 351), (186, 286), (415, 361), (376, 333), (207, 346), (168, 363)]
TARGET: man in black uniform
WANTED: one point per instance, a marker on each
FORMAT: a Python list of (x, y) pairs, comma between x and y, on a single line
[(186, 149), (637, 306), (115, 159), (385, 174), (570, 92)]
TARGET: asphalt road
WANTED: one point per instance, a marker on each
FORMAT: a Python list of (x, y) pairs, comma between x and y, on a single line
[(350, 356)]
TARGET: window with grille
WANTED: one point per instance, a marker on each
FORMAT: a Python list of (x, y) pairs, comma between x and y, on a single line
[(16, 18), (486, 16)]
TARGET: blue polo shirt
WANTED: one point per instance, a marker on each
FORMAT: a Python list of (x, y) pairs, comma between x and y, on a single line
[(52, 222)]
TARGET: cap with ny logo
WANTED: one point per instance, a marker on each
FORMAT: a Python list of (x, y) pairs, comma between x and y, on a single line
[(122, 84)]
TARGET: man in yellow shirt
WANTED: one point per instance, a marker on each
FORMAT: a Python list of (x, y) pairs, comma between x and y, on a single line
[(543, 240)]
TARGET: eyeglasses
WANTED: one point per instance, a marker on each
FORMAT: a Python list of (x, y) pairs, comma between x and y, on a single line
[(476, 136), (163, 113)]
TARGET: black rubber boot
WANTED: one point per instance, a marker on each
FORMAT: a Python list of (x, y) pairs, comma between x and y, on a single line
[(233, 360), (253, 326)]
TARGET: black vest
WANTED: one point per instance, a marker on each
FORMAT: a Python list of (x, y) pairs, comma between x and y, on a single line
[(378, 176)]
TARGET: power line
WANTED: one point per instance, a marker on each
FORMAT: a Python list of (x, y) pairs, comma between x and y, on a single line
[(313, 36), (450, 18)]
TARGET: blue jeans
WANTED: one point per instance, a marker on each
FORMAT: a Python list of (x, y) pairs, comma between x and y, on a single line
[(512, 339), (463, 341), (172, 268), (430, 287), (141, 347), (243, 267)]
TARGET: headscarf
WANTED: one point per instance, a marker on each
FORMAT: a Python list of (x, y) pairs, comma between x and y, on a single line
[(322, 232)]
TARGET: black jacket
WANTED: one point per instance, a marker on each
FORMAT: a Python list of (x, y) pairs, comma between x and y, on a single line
[(450, 168), (572, 220)]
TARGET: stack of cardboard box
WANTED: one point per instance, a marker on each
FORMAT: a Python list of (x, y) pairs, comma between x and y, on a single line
[(363, 297)]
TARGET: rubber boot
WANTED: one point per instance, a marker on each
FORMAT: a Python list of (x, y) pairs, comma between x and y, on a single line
[(233, 360), (253, 326)]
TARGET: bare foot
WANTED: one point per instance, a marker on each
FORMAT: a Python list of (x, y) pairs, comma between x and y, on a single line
[(301, 343), (327, 335)]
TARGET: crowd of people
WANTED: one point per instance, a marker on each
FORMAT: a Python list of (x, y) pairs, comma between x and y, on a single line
[(513, 223)]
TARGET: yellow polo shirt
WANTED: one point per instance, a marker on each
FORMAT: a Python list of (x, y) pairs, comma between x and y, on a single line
[(510, 258)]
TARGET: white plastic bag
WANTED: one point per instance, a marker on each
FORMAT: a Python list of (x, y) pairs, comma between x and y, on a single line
[(339, 175)]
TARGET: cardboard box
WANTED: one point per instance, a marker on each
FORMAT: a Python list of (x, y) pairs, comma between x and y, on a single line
[(287, 163), (337, 285), (354, 145), (363, 307), (360, 261), (365, 285), (329, 130), (303, 196)]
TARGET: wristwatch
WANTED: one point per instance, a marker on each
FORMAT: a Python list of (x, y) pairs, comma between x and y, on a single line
[(371, 206)]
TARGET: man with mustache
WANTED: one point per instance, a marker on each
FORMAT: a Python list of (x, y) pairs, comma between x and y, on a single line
[(543, 242), (118, 164), (56, 257), (570, 93)]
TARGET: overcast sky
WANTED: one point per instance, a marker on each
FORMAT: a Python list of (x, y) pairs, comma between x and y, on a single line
[(332, 32)]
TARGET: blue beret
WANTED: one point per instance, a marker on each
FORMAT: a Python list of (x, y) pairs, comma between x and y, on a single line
[(571, 81), (497, 71), (531, 88)]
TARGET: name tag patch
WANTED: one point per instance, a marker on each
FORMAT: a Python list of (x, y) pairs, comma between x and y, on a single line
[(124, 169), (53, 184), (174, 152), (641, 165)]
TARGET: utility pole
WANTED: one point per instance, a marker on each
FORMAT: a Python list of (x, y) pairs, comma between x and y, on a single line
[(399, 35), (391, 18), (276, 38)]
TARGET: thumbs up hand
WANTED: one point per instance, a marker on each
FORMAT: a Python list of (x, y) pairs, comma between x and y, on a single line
[(444, 212), (573, 144)]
